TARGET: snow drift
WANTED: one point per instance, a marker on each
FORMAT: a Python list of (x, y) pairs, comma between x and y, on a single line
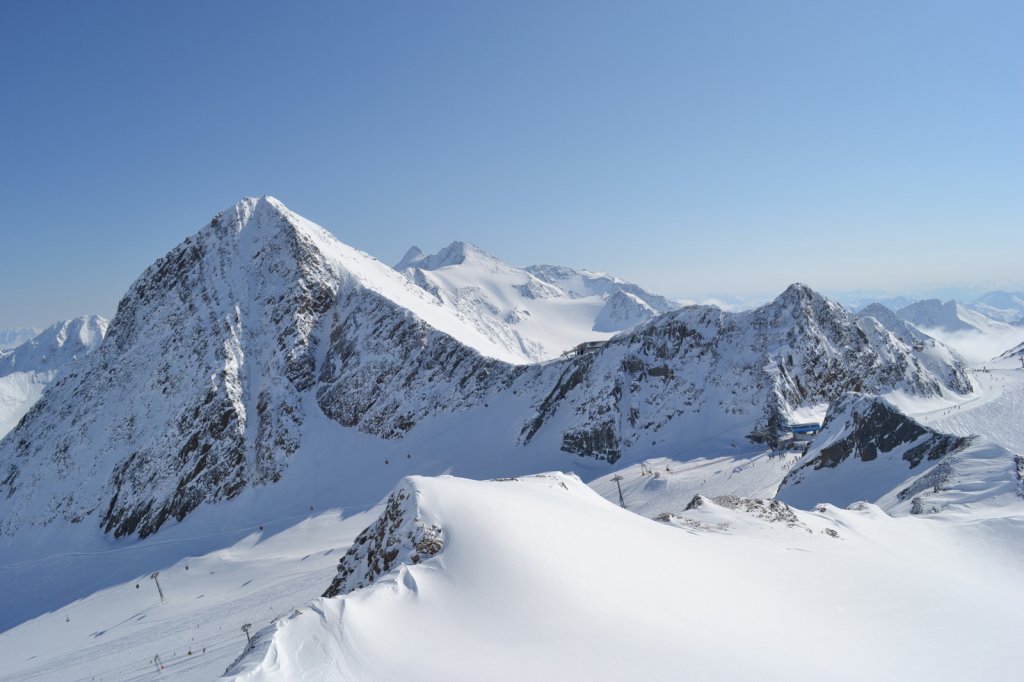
[(539, 578)]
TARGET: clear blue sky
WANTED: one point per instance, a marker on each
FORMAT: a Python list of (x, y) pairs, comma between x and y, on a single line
[(693, 147)]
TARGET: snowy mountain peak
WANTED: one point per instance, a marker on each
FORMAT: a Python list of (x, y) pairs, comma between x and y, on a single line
[(934, 314), (28, 369), (412, 257), (798, 294), (259, 219), (455, 253), (801, 303), (623, 310), (1003, 306), (56, 344), (535, 316)]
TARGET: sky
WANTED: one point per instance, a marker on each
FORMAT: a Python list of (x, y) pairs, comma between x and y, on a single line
[(696, 148)]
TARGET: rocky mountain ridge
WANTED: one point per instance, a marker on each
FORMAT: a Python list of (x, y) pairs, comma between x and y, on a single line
[(226, 353)]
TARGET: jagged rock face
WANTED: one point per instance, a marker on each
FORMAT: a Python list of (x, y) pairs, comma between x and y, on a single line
[(199, 380), (384, 370), (212, 362), (929, 356), (859, 430), (874, 427), (399, 536), (751, 369)]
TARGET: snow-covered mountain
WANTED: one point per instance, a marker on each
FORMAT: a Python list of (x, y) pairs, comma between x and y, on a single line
[(976, 338), (535, 314), (12, 338), (212, 363), (261, 344), (28, 369), (1002, 306), (938, 358), (700, 377), (583, 283), (949, 317), (263, 386), (623, 311)]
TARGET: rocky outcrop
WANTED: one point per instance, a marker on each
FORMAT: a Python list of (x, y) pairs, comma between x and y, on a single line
[(870, 426), (399, 536), (866, 448)]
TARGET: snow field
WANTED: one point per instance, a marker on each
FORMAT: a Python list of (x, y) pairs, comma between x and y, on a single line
[(541, 578)]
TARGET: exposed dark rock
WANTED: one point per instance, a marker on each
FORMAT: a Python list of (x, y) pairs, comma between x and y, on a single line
[(398, 536)]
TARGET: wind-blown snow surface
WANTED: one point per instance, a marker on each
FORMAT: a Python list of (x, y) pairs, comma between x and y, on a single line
[(28, 369), (540, 578)]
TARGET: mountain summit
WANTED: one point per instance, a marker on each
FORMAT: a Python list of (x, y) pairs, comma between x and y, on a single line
[(537, 313), (261, 354)]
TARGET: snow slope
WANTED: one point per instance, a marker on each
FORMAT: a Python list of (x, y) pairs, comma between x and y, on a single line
[(540, 578), (28, 369), (534, 317), (585, 283), (213, 584)]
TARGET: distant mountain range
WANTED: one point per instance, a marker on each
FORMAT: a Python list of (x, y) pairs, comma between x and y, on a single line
[(26, 370), (11, 338), (538, 312)]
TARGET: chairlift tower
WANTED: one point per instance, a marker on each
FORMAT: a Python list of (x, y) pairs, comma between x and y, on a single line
[(617, 478), (158, 589)]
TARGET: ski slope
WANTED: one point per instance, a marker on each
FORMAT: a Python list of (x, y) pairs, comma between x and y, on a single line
[(115, 633), (540, 578)]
